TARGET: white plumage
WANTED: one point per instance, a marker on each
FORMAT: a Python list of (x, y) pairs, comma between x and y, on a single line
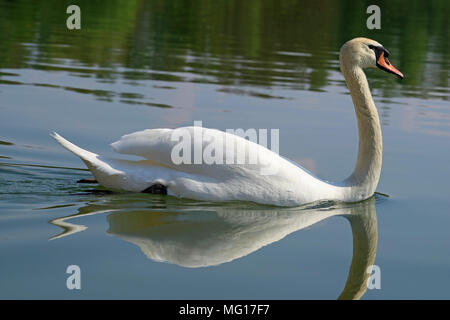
[(211, 182), (272, 180)]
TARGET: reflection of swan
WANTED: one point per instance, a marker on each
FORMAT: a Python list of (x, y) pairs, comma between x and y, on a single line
[(201, 237), (282, 182)]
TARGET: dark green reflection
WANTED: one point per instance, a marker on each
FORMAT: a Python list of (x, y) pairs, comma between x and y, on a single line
[(231, 42)]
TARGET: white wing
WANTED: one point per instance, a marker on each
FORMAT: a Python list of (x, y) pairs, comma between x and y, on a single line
[(200, 150)]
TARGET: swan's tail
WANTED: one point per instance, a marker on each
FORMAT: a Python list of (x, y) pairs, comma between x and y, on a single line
[(87, 156), (104, 173)]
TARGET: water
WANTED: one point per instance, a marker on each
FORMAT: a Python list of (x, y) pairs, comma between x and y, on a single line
[(230, 64)]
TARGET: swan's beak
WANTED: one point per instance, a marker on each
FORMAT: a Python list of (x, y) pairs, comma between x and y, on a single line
[(384, 64)]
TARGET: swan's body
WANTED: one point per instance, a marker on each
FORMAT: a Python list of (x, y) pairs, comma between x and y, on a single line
[(203, 236), (287, 185), (290, 186)]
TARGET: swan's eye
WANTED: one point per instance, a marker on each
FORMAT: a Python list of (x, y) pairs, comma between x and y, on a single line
[(371, 46)]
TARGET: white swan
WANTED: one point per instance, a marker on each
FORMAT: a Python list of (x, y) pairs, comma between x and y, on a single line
[(203, 236), (290, 185)]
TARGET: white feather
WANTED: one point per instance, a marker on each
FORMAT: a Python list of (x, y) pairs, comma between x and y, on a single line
[(211, 182)]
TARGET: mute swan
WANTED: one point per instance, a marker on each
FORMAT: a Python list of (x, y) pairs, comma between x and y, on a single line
[(288, 185)]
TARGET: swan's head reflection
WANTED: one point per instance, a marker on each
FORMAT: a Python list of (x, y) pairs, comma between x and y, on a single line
[(201, 236)]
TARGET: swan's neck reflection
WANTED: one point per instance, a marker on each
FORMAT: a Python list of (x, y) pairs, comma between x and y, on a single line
[(202, 236), (365, 237)]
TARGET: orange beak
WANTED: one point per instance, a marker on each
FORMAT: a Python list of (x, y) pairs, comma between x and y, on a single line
[(383, 63)]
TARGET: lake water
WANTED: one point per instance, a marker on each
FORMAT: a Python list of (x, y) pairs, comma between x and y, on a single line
[(231, 64)]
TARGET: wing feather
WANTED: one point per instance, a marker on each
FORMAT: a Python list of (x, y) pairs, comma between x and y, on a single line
[(160, 146)]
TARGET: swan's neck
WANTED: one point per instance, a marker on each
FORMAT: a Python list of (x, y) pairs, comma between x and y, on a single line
[(364, 178)]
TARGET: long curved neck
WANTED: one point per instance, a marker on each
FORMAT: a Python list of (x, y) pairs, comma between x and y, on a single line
[(364, 178)]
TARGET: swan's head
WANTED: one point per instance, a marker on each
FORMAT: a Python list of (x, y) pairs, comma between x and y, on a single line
[(366, 53)]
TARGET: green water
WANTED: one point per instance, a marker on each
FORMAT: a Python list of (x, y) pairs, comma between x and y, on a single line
[(231, 64)]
